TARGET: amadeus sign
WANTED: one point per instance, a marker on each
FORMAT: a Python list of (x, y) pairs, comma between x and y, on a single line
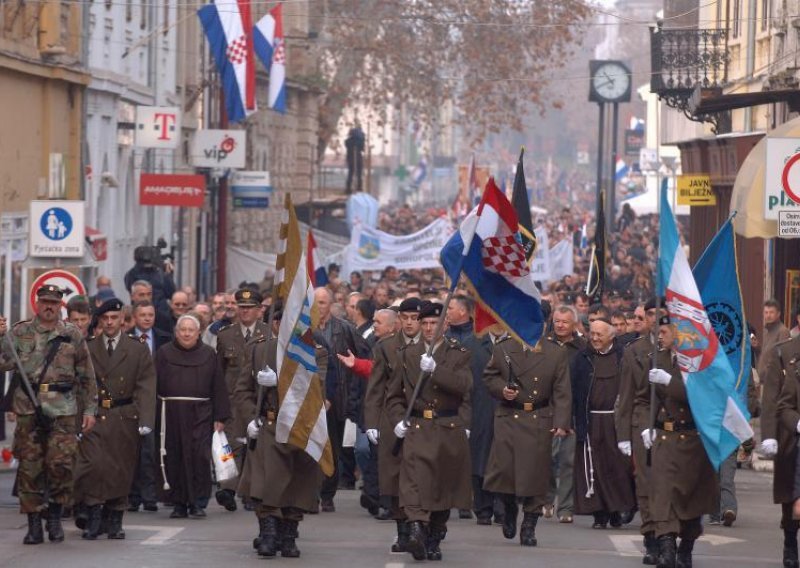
[(218, 149)]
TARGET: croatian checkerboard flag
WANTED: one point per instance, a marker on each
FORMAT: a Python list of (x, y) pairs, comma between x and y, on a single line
[(228, 26), (271, 50), (488, 250), (316, 270), (707, 374)]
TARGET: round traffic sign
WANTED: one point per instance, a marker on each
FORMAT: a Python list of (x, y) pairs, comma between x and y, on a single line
[(792, 192), (67, 281)]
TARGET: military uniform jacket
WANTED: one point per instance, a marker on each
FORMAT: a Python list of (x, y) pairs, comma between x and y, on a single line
[(108, 454), (519, 462), (231, 350), (70, 366), (278, 475), (634, 390), (682, 476), (779, 414), (435, 470)]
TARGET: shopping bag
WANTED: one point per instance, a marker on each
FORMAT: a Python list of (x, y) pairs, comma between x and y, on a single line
[(224, 464)]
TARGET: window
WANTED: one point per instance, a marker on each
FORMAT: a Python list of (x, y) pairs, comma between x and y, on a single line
[(765, 6), (737, 11), (128, 10), (166, 17)]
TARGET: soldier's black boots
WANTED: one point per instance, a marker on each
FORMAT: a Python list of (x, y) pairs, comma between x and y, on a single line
[(288, 534), (403, 530), (527, 530), (268, 539), (115, 531), (35, 533), (666, 551), (511, 510), (684, 559), (417, 539), (435, 537), (790, 559), (94, 522), (226, 498), (257, 540), (650, 549), (55, 532)]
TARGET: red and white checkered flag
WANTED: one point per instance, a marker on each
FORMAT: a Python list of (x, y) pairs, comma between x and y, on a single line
[(504, 255)]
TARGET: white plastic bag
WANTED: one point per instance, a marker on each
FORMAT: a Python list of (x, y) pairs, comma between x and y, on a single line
[(349, 434), (224, 464)]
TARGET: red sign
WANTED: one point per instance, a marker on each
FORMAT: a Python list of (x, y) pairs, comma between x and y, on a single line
[(178, 190), (67, 281)]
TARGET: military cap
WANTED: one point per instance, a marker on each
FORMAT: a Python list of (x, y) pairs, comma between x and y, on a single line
[(651, 303), (50, 292), (430, 310), (664, 320), (410, 305), (614, 294), (112, 305), (627, 295), (247, 297)]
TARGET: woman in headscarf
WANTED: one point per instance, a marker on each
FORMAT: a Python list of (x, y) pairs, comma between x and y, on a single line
[(194, 403)]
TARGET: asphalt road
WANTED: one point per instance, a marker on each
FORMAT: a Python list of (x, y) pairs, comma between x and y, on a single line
[(351, 538)]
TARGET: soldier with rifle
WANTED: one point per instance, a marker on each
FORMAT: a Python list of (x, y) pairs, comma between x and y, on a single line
[(53, 373)]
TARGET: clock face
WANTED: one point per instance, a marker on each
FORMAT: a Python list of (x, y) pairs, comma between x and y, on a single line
[(611, 81)]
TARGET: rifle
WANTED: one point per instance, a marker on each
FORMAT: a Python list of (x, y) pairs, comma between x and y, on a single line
[(513, 382), (253, 442)]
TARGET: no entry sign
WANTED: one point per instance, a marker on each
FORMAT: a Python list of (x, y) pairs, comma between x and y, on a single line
[(67, 281)]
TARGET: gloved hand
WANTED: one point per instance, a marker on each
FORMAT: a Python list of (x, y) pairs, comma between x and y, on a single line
[(660, 377), (427, 364), (252, 429), (373, 436), (624, 447), (144, 430), (769, 447), (401, 429), (467, 431), (648, 437), (267, 378)]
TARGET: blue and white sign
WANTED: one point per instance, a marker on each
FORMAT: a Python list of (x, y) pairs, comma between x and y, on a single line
[(57, 228), (251, 189)]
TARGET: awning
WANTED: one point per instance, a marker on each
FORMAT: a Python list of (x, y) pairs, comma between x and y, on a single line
[(747, 198)]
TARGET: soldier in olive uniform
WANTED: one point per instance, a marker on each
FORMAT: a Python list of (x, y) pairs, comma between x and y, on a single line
[(107, 456), (56, 360), (535, 396), (779, 428), (435, 471), (378, 424), (282, 480), (684, 484), (232, 343)]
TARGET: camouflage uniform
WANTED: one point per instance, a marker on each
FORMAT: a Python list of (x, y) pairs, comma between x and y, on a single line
[(46, 458)]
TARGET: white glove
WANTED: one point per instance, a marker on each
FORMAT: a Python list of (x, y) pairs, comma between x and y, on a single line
[(624, 447), (648, 437), (267, 378), (660, 377), (797, 427), (373, 436), (401, 429), (427, 364), (769, 447), (144, 430), (252, 429), (467, 431)]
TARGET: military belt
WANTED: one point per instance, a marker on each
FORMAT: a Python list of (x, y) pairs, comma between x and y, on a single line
[(430, 413), (55, 387), (527, 406), (672, 426), (115, 402)]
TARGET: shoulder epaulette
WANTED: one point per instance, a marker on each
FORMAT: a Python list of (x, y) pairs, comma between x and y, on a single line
[(634, 340), (224, 327), (91, 338), (387, 338), (787, 340)]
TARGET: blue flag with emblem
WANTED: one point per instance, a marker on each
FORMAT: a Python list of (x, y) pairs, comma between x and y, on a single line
[(717, 277)]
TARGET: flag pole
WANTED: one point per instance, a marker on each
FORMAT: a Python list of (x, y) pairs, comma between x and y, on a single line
[(657, 279), (589, 279)]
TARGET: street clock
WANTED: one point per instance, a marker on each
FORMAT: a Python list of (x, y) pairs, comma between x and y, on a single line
[(610, 82)]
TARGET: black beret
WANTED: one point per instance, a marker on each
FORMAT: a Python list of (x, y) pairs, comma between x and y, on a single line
[(112, 305), (430, 310), (664, 320), (651, 303), (50, 291), (410, 305), (247, 297)]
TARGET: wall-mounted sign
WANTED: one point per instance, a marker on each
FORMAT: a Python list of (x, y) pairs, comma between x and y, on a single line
[(178, 190), (250, 189), (218, 149), (158, 127), (695, 190)]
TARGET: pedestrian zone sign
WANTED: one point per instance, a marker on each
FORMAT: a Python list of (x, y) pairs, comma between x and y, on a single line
[(56, 229)]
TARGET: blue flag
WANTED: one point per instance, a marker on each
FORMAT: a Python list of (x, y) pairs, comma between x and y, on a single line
[(717, 277)]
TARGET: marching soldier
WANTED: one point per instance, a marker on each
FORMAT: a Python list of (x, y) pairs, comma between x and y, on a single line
[(280, 479), (435, 470), (107, 456), (684, 484), (232, 343), (379, 425), (535, 396), (779, 428), (56, 362)]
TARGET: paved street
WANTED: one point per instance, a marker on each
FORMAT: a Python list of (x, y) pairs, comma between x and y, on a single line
[(350, 538)]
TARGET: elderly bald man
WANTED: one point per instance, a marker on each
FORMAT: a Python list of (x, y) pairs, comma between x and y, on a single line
[(603, 474)]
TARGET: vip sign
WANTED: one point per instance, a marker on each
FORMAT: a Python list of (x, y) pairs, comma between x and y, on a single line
[(158, 127), (782, 177), (218, 149)]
